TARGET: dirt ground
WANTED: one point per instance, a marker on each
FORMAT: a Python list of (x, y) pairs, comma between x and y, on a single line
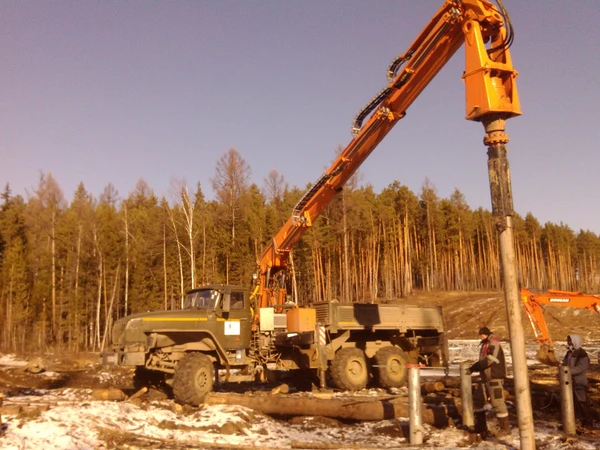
[(83, 371)]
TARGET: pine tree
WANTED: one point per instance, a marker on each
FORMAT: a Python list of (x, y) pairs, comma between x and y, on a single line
[(42, 215), (15, 276)]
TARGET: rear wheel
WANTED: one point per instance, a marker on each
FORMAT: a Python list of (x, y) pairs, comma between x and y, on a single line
[(390, 367), (349, 369), (194, 378)]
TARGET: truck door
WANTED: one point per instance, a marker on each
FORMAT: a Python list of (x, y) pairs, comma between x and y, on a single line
[(235, 324)]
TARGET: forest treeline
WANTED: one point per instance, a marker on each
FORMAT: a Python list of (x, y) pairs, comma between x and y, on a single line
[(69, 269)]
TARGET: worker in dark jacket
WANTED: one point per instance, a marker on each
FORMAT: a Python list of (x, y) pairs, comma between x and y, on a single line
[(578, 362), (492, 369)]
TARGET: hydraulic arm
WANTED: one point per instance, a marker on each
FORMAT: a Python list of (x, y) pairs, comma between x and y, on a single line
[(491, 98), (534, 303)]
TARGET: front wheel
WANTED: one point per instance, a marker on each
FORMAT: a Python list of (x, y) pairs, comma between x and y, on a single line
[(194, 378), (349, 369)]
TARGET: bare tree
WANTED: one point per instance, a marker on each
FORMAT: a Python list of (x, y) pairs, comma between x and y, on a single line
[(109, 195), (187, 208), (100, 256), (275, 186), (179, 257), (127, 256), (230, 183)]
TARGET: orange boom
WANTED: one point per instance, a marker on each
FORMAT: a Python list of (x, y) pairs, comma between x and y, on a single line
[(491, 98), (533, 303)]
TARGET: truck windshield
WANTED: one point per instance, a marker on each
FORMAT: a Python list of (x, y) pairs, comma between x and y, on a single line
[(206, 299)]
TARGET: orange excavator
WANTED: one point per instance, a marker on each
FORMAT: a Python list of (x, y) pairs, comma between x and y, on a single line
[(533, 301), (491, 98)]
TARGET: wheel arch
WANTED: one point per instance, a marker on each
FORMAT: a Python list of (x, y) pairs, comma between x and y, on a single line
[(191, 341)]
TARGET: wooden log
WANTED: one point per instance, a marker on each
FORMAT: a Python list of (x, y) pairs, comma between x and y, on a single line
[(11, 410), (432, 386), (281, 389), (345, 409), (27, 402), (138, 394), (108, 394), (36, 365), (441, 400), (450, 382), (324, 446), (442, 414)]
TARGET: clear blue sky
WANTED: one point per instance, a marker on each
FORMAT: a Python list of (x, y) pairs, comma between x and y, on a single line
[(106, 92)]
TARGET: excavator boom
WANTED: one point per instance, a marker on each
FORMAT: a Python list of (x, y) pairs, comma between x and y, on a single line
[(533, 302), (491, 95)]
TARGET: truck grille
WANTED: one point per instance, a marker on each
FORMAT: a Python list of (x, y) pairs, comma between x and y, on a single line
[(323, 316)]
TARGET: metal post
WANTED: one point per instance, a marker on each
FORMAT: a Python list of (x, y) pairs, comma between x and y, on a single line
[(322, 352), (567, 407), (414, 405), (466, 396), (502, 209)]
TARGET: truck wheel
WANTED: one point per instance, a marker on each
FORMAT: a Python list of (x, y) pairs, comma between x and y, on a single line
[(390, 367), (193, 379), (349, 369), (143, 377)]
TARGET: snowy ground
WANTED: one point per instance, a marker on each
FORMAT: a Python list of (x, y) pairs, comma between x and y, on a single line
[(70, 419)]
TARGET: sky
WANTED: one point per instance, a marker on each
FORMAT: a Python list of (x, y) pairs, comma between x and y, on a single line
[(106, 93)]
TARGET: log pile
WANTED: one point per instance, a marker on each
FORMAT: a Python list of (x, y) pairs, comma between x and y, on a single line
[(437, 409)]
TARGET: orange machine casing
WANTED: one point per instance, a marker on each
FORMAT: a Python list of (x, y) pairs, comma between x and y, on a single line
[(301, 319)]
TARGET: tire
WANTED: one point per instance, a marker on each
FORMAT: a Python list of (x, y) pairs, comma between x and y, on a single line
[(194, 378), (143, 377), (390, 370), (349, 369)]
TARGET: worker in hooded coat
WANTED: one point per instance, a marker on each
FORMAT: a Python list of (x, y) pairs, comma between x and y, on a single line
[(492, 369), (578, 362)]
